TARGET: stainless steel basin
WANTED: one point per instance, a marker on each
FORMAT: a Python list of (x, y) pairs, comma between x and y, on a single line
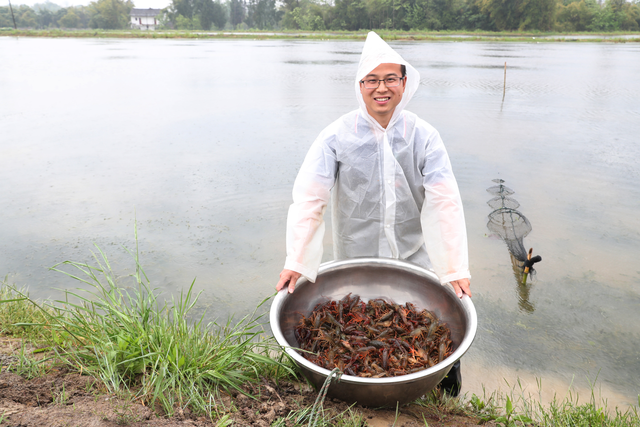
[(371, 278)]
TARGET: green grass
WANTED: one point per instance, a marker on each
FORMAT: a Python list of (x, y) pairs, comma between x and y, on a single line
[(440, 406), (504, 36), (16, 310), (518, 408), (135, 344), (328, 418)]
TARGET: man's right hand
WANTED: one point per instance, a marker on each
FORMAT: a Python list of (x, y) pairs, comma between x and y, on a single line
[(289, 277)]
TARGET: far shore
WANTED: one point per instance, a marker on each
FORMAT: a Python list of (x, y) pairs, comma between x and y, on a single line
[(530, 37)]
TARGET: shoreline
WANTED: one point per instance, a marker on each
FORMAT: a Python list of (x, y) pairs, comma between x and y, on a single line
[(531, 37), (35, 389), (80, 363)]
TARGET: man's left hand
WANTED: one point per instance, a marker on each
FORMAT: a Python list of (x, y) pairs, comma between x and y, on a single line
[(462, 287)]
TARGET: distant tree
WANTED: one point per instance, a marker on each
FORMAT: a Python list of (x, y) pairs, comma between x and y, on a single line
[(450, 13), (630, 16), (350, 15), (309, 19), (186, 8), (421, 15), (634, 12), (307, 16), (211, 12), (26, 17), (184, 23), (616, 15), (70, 20), (289, 5), (84, 16), (45, 18), (539, 15), (432, 14), (57, 15), (47, 5), (381, 13), (5, 17), (237, 12), (576, 16), (262, 14), (206, 12), (110, 14), (521, 14), (473, 18), (181, 13), (604, 19), (219, 15), (196, 14)]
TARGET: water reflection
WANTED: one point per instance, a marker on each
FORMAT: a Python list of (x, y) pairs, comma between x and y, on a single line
[(512, 226)]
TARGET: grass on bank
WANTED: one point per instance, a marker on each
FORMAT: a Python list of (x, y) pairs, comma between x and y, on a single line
[(134, 344), (150, 351), (518, 408), (513, 36)]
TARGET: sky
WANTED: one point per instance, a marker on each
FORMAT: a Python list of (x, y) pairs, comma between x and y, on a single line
[(143, 4)]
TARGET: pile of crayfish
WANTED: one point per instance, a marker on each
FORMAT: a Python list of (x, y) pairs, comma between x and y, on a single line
[(377, 339)]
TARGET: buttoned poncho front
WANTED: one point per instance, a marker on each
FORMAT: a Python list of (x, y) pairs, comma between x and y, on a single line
[(393, 191)]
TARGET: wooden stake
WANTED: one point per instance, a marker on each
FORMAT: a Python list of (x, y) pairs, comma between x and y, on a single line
[(12, 17), (504, 87)]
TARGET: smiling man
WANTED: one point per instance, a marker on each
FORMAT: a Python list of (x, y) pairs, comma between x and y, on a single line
[(389, 176), (390, 181), (382, 91)]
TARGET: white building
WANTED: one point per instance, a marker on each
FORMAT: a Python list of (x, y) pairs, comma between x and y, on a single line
[(144, 19)]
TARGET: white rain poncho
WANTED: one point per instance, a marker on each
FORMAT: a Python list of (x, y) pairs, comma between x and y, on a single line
[(393, 192)]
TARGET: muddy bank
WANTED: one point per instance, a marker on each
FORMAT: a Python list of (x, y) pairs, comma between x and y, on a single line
[(62, 398)]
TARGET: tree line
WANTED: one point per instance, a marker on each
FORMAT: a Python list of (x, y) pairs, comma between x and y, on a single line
[(107, 14), (349, 15)]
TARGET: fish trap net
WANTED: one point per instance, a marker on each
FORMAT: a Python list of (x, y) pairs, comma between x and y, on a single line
[(507, 222)]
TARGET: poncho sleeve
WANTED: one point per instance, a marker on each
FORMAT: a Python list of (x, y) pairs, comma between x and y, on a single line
[(305, 221), (442, 215)]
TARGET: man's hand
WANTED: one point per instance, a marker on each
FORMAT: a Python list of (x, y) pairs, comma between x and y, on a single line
[(289, 277), (462, 287)]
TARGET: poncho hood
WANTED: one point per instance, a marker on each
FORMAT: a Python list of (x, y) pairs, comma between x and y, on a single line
[(375, 52)]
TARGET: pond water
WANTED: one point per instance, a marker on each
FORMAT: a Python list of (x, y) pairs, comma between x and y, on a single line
[(199, 141)]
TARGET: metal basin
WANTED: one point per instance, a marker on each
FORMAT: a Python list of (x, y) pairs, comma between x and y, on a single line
[(370, 278)]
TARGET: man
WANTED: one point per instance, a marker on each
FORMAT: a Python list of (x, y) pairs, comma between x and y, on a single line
[(389, 178)]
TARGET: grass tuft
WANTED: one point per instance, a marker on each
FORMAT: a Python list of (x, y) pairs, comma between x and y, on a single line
[(17, 313), (518, 408), (135, 344), (330, 418)]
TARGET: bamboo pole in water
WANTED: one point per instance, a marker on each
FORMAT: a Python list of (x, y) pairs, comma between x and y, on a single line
[(504, 87), (13, 17)]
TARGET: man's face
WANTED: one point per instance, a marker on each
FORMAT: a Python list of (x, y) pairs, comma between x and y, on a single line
[(382, 101)]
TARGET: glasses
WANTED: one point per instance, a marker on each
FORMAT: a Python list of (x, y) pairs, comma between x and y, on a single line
[(388, 82)]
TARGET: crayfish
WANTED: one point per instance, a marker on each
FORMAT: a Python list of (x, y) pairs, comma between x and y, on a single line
[(374, 339)]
